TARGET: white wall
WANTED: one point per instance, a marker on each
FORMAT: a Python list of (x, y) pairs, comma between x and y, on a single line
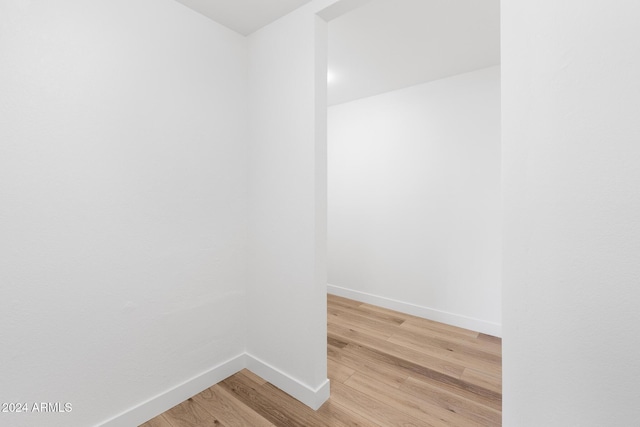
[(123, 203), (287, 204), (414, 199), (571, 138)]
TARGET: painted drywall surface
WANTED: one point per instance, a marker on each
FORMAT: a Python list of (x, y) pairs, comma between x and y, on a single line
[(414, 197), (287, 208), (123, 203), (245, 16), (393, 44), (571, 97)]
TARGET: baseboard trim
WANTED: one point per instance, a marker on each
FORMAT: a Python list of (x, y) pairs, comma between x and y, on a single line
[(139, 414), (459, 320), (314, 398), (143, 412)]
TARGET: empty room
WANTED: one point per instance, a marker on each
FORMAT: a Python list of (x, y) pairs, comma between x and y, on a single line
[(255, 213)]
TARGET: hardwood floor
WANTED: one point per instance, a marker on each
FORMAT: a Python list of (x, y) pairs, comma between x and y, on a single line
[(386, 369)]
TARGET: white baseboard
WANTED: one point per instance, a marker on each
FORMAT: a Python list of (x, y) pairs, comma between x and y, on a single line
[(143, 412), (489, 328), (314, 398), (167, 400)]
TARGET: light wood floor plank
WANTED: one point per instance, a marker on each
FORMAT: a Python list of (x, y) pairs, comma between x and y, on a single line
[(375, 411), (473, 350), (190, 414), (338, 372), (342, 417), (432, 376), (389, 374), (440, 327), (474, 412), (159, 421), (253, 377), (384, 350), (365, 316), (229, 410), (367, 312), (421, 385), (465, 340), (272, 403), (479, 360), (348, 321), (482, 379), (336, 301), (425, 323), (490, 338), (424, 408)]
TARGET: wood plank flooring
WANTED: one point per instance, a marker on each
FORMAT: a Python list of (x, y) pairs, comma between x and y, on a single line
[(386, 368)]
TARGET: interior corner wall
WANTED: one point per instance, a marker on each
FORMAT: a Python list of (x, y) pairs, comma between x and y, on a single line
[(414, 200), (571, 97), (123, 205), (287, 207)]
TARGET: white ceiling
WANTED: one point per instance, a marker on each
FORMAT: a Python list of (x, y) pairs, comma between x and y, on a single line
[(385, 44), (391, 44), (244, 16)]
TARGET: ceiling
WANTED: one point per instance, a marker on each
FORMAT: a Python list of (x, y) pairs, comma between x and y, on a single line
[(244, 16), (391, 44), (385, 44)]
